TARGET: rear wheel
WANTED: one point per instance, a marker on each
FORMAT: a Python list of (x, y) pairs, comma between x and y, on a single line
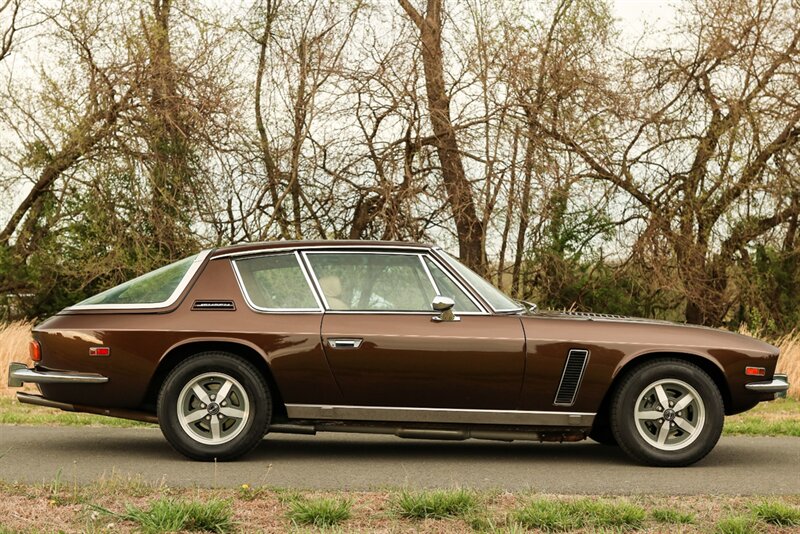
[(667, 413), (214, 405)]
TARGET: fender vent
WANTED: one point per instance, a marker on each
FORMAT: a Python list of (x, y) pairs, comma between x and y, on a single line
[(571, 377)]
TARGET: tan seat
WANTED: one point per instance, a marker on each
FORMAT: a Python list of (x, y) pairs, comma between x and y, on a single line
[(332, 289)]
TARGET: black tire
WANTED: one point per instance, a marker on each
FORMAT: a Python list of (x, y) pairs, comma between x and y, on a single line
[(678, 437), (211, 430), (603, 435)]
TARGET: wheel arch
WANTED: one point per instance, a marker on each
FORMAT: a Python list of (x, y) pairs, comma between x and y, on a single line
[(710, 366), (177, 353)]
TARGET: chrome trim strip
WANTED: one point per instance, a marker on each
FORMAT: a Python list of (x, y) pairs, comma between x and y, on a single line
[(18, 374), (770, 386), (332, 247), (187, 278), (580, 378), (439, 415), (254, 307), (428, 273)]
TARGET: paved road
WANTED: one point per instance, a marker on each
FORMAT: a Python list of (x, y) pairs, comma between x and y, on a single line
[(738, 465)]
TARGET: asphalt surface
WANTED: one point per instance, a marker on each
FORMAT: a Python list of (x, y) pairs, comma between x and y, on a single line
[(738, 465)]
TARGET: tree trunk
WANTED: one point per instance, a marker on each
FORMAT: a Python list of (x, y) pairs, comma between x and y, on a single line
[(459, 191)]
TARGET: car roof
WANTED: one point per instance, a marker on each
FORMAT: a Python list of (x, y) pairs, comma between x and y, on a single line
[(247, 248)]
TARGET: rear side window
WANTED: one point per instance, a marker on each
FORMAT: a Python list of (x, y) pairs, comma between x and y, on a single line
[(275, 282), (154, 288)]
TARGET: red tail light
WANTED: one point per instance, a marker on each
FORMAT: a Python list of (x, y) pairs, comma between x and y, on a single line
[(755, 371), (35, 350)]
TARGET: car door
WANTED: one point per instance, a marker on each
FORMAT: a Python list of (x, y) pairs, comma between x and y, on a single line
[(386, 349)]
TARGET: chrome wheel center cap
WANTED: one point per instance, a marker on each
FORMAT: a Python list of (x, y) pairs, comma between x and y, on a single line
[(213, 408), (669, 414)]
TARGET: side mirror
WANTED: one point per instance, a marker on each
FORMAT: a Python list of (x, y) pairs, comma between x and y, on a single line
[(444, 305)]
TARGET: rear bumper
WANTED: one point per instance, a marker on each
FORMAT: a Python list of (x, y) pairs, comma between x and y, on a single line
[(19, 373), (779, 384)]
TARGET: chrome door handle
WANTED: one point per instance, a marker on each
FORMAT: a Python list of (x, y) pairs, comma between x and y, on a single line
[(344, 343)]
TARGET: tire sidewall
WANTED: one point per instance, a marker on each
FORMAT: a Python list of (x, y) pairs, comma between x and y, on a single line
[(624, 423), (251, 381)]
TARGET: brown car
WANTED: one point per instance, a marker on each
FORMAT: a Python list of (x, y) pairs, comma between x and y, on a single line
[(382, 337)]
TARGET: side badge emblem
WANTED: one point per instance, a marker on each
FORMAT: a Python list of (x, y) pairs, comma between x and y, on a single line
[(99, 351)]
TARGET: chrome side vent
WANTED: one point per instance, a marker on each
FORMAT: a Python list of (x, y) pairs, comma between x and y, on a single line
[(571, 377)]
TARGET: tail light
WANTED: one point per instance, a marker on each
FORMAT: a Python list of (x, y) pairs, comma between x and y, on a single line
[(35, 350)]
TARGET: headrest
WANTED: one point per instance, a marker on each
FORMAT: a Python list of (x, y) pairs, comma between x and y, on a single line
[(331, 286)]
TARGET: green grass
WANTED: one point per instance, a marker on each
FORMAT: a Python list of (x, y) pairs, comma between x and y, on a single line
[(777, 513), (322, 512), (14, 413), (563, 516), (169, 515), (673, 517), (780, 417), (739, 524), (439, 504)]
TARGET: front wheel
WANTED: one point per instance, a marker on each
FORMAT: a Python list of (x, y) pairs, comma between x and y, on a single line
[(667, 413), (214, 406)]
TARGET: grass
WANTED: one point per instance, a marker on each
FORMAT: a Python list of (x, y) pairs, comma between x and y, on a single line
[(134, 505), (672, 517), (739, 524), (439, 504), (171, 515), (564, 516), (780, 417), (777, 513), (13, 412), (320, 512)]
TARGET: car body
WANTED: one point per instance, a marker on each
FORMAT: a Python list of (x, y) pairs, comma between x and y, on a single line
[(383, 337)]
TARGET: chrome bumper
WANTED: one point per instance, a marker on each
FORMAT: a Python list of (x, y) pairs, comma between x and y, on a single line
[(18, 374), (779, 384)]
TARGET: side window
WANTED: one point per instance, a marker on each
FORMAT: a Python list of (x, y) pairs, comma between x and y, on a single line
[(448, 288), (369, 281), (276, 282)]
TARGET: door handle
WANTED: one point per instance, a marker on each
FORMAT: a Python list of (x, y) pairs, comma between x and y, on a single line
[(344, 342)]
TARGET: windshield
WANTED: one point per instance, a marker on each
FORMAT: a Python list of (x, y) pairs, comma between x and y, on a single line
[(496, 298)]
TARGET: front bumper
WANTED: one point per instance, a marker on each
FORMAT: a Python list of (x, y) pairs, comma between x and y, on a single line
[(778, 384), (19, 373)]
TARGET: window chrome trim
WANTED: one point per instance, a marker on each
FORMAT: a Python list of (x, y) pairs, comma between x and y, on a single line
[(323, 248), (176, 293), (439, 415), (314, 277), (253, 306)]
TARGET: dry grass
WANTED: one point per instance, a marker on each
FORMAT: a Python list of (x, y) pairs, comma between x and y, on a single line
[(14, 338), (789, 362)]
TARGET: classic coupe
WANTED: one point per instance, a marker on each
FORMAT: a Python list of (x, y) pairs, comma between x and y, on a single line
[(228, 345)]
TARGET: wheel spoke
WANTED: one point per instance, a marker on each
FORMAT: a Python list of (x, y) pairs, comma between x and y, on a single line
[(684, 424), (649, 415), (201, 393), (663, 433), (662, 396), (223, 392), (214, 427), (685, 401), (232, 412), (195, 416)]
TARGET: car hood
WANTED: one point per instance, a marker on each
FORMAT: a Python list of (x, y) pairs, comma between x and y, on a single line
[(658, 332)]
